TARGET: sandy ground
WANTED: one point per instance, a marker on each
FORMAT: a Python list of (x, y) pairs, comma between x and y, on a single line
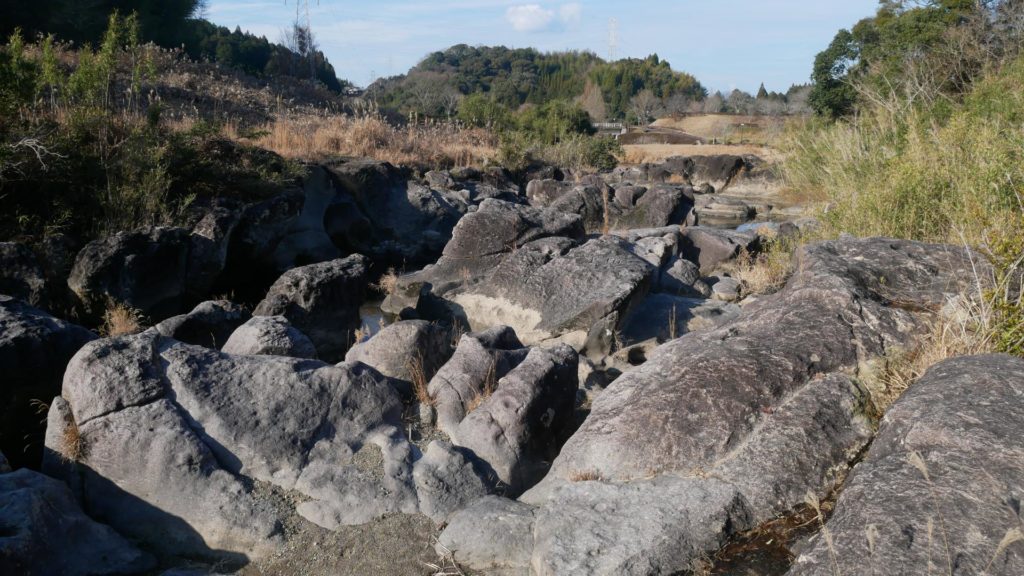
[(654, 153), (759, 129)]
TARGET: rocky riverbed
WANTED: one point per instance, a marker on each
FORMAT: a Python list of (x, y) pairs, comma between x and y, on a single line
[(562, 378)]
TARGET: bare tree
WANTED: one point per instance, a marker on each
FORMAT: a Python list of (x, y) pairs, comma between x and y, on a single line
[(645, 106), (450, 99), (714, 104), (592, 100)]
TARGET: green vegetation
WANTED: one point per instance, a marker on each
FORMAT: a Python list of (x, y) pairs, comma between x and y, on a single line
[(170, 23), (933, 158), (81, 154), (511, 78)]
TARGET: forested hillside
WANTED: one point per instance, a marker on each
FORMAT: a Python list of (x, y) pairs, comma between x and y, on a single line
[(173, 24)]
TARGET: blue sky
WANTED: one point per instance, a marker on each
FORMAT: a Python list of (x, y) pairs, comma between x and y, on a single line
[(726, 44)]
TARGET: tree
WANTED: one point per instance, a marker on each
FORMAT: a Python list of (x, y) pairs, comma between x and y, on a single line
[(832, 95), (592, 101), (644, 107), (762, 93)]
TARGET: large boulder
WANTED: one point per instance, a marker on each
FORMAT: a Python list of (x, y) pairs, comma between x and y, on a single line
[(45, 532), (155, 270), (655, 207), (306, 240), (448, 478), (408, 222), (269, 336), (321, 300), (209, 324), (483, 238), (479, 361), (169, 444), (548, 288), (543, 193), (941, 486), (406, 351), (733, 426), (34, 350), (711, 247), (261, 227)]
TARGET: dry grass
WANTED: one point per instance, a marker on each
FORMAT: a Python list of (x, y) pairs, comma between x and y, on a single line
[(121, 320), (728, 127), (387, 283), (315, 138), (72, 445), (419, 380), (759, 274), (657, 153), (585, 476), (489, 385)]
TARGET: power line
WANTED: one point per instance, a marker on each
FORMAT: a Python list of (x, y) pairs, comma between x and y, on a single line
[(613, 38)]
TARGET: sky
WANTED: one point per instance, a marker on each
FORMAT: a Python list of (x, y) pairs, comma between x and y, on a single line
[(726, 44)]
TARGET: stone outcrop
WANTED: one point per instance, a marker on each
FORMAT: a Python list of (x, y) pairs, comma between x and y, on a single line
[(322, 301), (940, 488), (269, 336), (209, 324), (723, 429), (34, 350), (405, 351)]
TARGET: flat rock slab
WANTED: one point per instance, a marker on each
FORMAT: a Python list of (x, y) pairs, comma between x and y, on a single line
[(941, 486)]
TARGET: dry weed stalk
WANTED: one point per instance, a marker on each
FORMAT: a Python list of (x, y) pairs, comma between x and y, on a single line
[(672, 324), (388, 282), (72, 445), (585, 476), (489, 385), (419, 380), (812, 500)]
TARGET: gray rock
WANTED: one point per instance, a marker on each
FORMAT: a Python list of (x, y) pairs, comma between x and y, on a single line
[(146, 270), (682, 278), (21, 275), (709, 247), (725, 288), (447, 480), (941, 485), (269, 336), (482, 239), (321, 300), (34, 350), (306, 240), (659, 206), (4, 466), (208, 251), (545, 293), (543, 193), (401, 348), (723, 212), (262, 227), (725, 429), (209, 324), (479, 361), (491, 534), (45, 532), (515, 431), (408, 222), (178, 474)]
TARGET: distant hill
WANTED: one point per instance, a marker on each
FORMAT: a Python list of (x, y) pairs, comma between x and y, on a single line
[(513, 77)]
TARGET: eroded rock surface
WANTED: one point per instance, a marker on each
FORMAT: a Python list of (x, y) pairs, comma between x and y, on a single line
[(269, 336), (941, 486), (723, 429)]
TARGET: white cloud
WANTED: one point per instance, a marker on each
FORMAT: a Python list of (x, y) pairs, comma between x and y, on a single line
[(571, 13), (529, 17)]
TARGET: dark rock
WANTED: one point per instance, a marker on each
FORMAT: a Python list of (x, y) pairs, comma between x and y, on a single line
[(322, 301), (209, 324), (306, 241), (45, 532), (34, 350), (21, 276), (941, 484), (543, 193), (269, 336), (710, 247)]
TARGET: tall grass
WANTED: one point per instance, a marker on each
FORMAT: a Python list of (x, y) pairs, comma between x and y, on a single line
[(950, 171)]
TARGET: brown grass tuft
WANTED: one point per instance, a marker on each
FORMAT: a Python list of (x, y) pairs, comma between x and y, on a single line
[(419, 380), (387, 283), (489, 385), (72, 445), (120, 320), (585, 476)]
